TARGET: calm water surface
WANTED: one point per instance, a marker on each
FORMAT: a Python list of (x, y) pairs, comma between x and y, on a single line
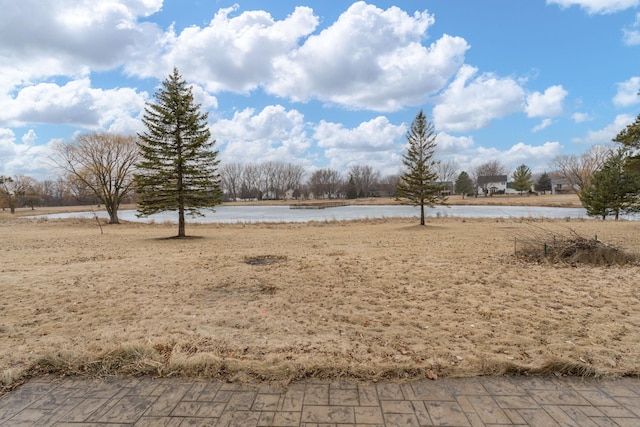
[(250, 214)]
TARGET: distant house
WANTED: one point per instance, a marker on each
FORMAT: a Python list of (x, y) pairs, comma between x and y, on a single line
[(560, 184), (446, 187), (492, 184)]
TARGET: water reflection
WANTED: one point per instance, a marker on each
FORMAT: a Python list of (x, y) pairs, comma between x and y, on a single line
[(251, 214)]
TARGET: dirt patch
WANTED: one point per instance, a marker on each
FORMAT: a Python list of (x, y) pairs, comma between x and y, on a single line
[(265, 260)]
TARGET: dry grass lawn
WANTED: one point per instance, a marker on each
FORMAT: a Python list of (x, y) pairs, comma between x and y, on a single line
[(367, 299)]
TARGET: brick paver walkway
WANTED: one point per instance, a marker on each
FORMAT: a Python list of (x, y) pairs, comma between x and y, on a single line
[(483, 401)]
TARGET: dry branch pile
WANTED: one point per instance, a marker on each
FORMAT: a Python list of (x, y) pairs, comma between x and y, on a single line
[(571, 248)]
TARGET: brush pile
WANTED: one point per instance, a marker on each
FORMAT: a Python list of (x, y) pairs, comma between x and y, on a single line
[(544, 246)]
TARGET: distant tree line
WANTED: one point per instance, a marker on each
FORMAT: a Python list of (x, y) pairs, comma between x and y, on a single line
[(22, 191), (274, 180)]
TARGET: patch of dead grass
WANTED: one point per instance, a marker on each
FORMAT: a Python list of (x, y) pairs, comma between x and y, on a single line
[(370, 300)]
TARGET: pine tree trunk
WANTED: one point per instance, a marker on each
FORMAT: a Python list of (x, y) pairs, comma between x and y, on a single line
[(181, 232), (422, 213)]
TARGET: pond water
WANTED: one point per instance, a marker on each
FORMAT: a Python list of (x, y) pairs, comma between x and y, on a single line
[(255, 214)]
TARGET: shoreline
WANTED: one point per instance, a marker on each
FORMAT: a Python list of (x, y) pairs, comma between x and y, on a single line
[(548, 200)]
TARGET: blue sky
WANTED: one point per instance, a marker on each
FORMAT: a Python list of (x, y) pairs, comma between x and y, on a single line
[(325, 83)]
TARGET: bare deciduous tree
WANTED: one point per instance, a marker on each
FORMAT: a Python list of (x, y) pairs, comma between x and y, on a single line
[(447, 170), (231, 175), (269, 184), (79, 192), (365, 179), (103, 162), (292, 179), (251, 181), (578, 170), (324, 183), (447, 173), (261, 180), (389, 186), (16, 191)]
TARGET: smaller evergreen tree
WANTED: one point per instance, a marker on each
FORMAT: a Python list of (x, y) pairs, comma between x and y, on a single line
[(464, 184), (522, 178), (418, 184), (614, 189), (351, 191), (544, 183)]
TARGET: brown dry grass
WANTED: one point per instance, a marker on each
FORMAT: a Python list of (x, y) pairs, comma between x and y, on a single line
[(365, 299)]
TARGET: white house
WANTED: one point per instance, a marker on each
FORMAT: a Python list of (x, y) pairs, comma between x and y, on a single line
[(492, 184)]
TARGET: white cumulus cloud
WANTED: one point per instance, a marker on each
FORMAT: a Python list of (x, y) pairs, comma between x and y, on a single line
[(369, 58), (545, 123), (631, 35), (447, 145), (75, 103), (25, 158), (30, 137), (234, 53), (547, 104), (376, 142), (606, 134), (272, 134), (373, 135), (628, 93), (531, 154), (472, 102), (537, 157), (71, 38), (580, 117)]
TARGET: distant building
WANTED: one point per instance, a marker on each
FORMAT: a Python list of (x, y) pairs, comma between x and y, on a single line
[(561, 185), (447, 187), (492, 184)]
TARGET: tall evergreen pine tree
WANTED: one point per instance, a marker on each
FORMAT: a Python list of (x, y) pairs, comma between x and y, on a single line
[(178, 169), (418, 184)]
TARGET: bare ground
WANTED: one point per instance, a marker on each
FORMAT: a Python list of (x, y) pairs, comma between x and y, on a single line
[(365, 299)]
